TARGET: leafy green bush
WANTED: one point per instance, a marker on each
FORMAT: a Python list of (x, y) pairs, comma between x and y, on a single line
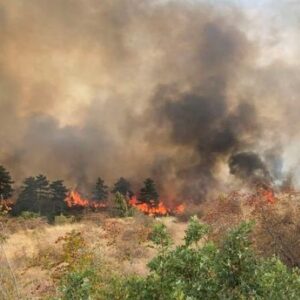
[(229, 271), (76, 285), (75, 253), (198, 269), (121, 207)]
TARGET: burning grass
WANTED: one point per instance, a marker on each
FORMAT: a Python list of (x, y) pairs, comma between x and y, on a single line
[(75, 200), (156, 210)]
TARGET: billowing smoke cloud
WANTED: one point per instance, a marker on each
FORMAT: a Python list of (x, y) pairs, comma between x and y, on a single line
[(169, 89), (249, 166)]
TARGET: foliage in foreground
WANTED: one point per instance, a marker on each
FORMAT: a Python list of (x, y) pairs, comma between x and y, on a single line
[(198, 269)]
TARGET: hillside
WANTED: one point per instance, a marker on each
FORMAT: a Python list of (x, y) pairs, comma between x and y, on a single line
[(36, 256)]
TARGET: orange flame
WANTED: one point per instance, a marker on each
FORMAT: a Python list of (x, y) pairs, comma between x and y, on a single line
[(74, 199), (263, 195), (158, 210), (268, 194)]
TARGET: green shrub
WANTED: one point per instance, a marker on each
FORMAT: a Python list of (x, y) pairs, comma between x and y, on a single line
[(76, 285), (195, 231), (27, 215), (198, 269), (61, 220), (121, 207), (75, 253), (228, 271), (160, 236)]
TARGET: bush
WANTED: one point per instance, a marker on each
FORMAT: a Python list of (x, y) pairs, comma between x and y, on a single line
[(27, 215), (121, 207), (83, 276), (61, 220), (278, 230), (76, 285), (197, 269), (230, 271), (75, 253)]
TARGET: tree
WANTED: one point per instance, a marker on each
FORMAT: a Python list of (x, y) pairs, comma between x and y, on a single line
[(148, 193), (43, 194), (58, 193), (27, 198), (6, 182), (34, 196), (122, 186), (100, 192)]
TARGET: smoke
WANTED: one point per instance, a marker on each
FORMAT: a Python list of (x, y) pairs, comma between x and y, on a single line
[(168, 89), (249, 166)]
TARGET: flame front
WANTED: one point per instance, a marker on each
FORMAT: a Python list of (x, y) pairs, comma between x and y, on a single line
[(158, 210), (74, 199), (268, 194)]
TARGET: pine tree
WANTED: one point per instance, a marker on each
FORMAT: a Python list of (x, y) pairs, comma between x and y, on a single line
[(100, 192), (43, 194), (58, 193), (34, 196), (148, 193), (27, 200), (6, 182), (122, 186)]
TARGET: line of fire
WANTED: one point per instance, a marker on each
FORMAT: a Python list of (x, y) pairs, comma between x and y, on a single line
[(147, 201)]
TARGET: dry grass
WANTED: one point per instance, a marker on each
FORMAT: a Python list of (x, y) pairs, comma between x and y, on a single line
[(278, 229), (29, 252), (35, 254), (36, 257), (277, 225)]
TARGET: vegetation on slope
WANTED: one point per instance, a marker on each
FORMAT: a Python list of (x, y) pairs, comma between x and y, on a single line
[(197, 269)]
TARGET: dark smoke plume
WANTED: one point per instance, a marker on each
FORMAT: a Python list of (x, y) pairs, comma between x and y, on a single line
[(249, 167), (168, 89)]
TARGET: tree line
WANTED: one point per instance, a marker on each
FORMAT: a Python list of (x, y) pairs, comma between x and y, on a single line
[(47, 198)]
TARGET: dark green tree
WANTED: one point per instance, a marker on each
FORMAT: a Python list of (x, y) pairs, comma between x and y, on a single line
[(6, 182), (148, 193), (43, 194), (100, 192), (27, 199), (123, 187), (34, 196), (58, 193)]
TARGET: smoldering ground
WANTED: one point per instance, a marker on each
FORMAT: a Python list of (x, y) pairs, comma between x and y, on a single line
[(168, 89)]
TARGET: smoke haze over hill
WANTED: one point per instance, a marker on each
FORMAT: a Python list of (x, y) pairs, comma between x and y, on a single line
[(168, 89)]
